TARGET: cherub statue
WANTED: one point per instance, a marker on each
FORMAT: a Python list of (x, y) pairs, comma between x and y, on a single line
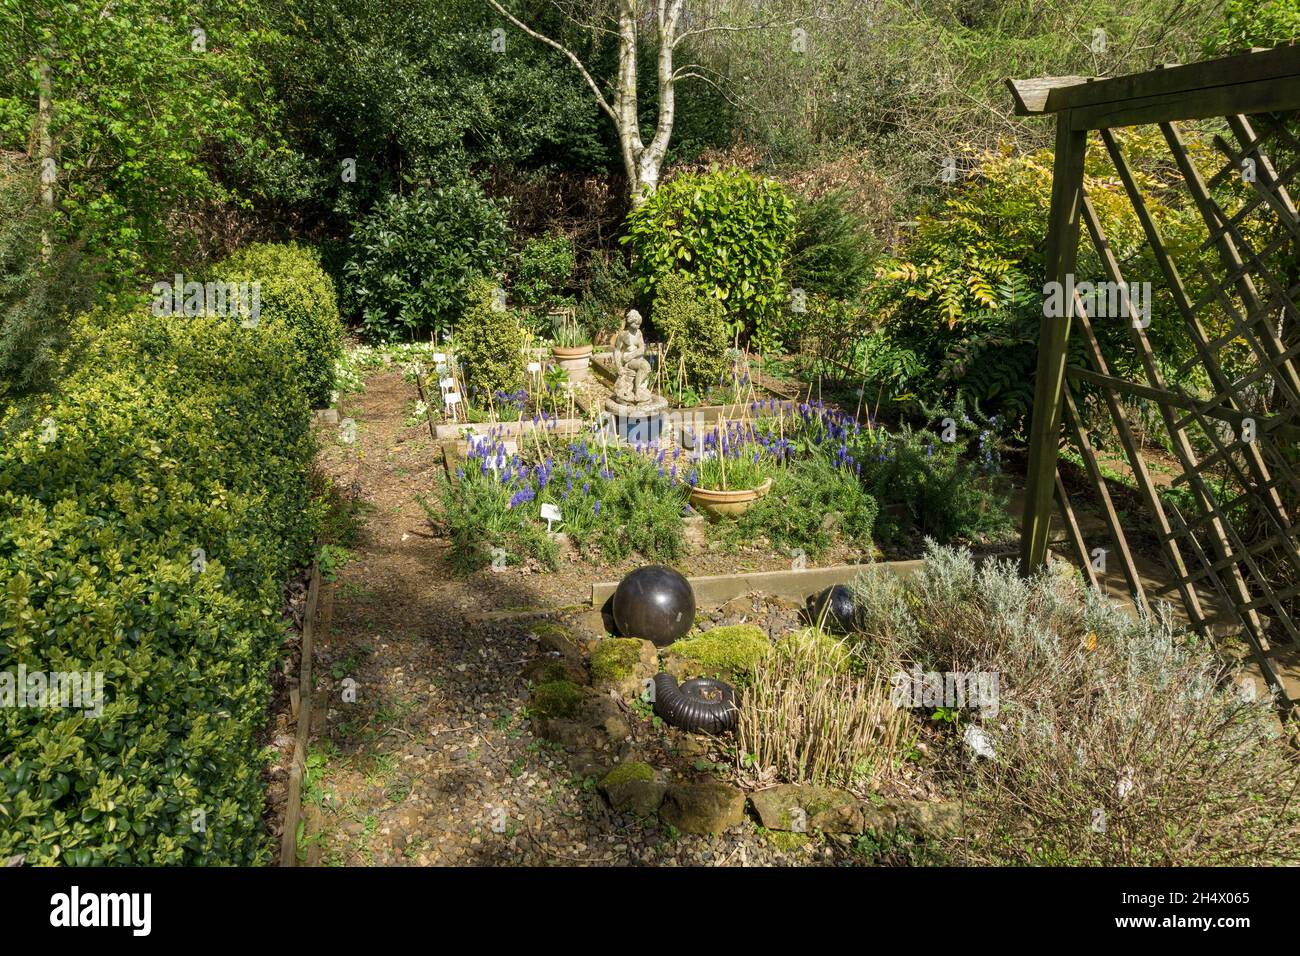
[(632, 386)]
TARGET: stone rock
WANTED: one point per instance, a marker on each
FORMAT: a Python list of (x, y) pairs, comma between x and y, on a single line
[(578, 717), (931, 817), (553, 668), (805, 808), (704, 808), (593, 625), (623, 664), (631, 787), (555, 638)]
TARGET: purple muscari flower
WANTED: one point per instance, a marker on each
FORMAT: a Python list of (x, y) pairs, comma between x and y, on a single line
[(586, 487), (596, 508)]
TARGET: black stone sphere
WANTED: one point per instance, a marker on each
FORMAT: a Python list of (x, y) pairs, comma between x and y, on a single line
[(836, 603), (654, 603)]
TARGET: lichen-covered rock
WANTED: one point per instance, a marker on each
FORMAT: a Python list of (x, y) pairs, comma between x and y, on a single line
[(554, 637), (623, 664), (728, 653), (577, 717), (705, 808), (557, 698), (543, 670), (930, 818), (631, 788), (806, 809)]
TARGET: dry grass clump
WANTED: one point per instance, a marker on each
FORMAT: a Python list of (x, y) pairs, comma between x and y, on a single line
[(809, 719), (1116, 741)]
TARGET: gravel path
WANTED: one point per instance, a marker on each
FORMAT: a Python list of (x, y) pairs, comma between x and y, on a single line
[(435, 763)]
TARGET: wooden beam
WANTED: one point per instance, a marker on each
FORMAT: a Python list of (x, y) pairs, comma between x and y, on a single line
[(1053, 337), (1178, 86), (1031, 94)]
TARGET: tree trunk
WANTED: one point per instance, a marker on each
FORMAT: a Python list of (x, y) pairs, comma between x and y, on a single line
[(45, 151)]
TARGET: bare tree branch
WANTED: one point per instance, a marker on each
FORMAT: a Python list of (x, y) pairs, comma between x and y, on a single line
[(573, 57)]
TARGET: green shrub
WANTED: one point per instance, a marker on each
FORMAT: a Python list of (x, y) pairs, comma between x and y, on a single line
[(831, 251), (925, 486), (811, 501), (608, 293), (730, 231), (413, 258), (489, 342), (642, 514), (153, 509), (543, 271), (36, 297), (295, 290), (962, 303), (695, 328)]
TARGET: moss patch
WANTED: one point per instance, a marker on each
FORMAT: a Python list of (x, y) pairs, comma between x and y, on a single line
[(615, 658), (552, 672), (734, 649), (786, 841), (627, 771), (557, 698)]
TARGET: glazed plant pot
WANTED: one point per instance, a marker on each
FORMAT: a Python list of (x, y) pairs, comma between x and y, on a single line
[(727, 504), (575, 360)]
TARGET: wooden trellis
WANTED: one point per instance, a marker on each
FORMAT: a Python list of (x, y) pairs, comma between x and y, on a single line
[(1237, 544)]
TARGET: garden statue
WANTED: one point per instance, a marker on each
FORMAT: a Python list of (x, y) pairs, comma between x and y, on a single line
[(635, 413), (632, 387)]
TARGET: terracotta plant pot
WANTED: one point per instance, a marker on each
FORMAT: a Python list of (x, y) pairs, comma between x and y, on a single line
[(727, 504), (573, 359)]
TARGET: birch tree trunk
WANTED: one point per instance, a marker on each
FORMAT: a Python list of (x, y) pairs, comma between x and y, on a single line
[(641, 160)]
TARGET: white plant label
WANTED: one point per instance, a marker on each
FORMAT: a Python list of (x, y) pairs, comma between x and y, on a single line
[(550, 513)]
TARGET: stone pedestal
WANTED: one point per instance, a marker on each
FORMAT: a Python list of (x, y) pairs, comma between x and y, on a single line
[(637, 423)]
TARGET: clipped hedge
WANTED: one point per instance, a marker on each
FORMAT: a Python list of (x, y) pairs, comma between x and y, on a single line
[(171, 435), (295, 290)]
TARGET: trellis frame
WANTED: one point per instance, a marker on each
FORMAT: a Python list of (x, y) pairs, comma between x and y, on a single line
[(1244, 90)]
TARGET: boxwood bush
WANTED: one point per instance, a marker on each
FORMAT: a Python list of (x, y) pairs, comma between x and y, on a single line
[(413, 258), (297, 291), (170, 436)]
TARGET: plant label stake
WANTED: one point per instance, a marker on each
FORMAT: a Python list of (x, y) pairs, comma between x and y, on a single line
[(550, 513), (451, 400)]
